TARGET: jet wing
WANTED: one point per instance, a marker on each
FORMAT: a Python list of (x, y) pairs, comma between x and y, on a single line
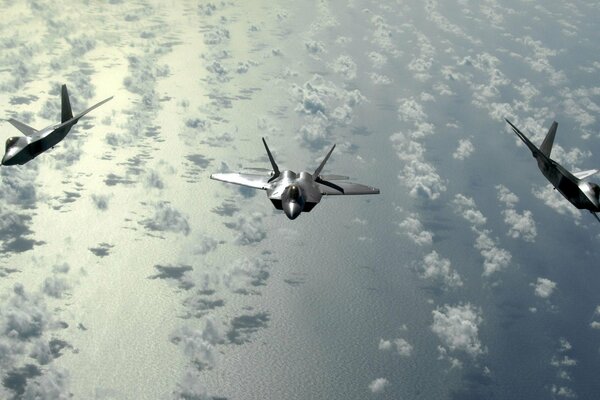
[(250, 180), (345, 188), (25, 129), (585, 174)]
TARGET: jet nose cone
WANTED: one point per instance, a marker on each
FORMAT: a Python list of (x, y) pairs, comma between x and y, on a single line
[(292, 209)]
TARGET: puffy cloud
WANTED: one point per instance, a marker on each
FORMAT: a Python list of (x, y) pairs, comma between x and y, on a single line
[(166, 218), (563, 363), (245, 274), (54, 384), (344, 66), (250, 229), (412, 227), (494, 257), (402, 347), (323, 106), (439, 269), (458, 328), (520, 224), (198, 344), (464, 149), (467, 208), (378, 385), (556, 201), (191, 387), (543, 287)]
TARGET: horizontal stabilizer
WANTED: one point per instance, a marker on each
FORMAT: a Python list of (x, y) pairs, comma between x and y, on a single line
[(345, 188), (585, 174), (26, 129), (81, 114), (248, 180), (334, 177)]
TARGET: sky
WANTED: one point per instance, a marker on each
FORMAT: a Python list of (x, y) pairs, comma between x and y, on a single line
[(125, 272)]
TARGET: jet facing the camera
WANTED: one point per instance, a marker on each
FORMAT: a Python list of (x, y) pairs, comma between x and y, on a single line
[(294, 193), (22, 149), (582, 194)]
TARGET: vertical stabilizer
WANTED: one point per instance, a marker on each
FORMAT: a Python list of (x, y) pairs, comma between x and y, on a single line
[(272, 160), (546, 146), (66, 113), (318, 170)]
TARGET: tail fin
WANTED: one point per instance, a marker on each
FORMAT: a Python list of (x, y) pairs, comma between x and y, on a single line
[(318, 170), (272, 160), (66, 113), (546, 146)]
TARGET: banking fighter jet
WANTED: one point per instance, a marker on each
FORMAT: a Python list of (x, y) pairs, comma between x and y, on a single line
[(294, 193), (21, 149), (583, 195)]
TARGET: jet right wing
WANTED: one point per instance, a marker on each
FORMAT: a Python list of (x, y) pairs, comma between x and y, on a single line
[(25, 129), (585, 174), (249, 180), (345, 188)]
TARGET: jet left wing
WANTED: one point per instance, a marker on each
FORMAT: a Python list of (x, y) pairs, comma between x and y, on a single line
[(345, 188), (585, 174), (250, 180), (25, 129)]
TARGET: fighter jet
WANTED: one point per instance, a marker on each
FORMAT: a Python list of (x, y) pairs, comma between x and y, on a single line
[(294, 193), (22, 149), (583, 195)]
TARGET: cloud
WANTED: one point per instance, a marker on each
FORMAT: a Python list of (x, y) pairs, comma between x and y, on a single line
[(457, 327), (199, 344), (413, 228), (402, 347), (437, 269), (464, 149), (323, 107), (54, 384), (494, 258), (378, 385), (556, 201), (166, 218), (101, 201), (520, 224), (543, 287), (191, 387), (345, 67), (245, 274), (249, 229), (563, 364)]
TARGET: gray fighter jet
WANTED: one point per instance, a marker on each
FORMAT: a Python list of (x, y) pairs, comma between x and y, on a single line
[(22, 149), (294, 193), (583, 195)]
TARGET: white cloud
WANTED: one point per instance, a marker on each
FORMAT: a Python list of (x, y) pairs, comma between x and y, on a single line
[(378, 385), (464, 149), (402, 347), (439, 269), (458, 328), (556, 201), (520, 224), (345, 66), (249, 228), (543, 287), (494, 257), (413, 228)]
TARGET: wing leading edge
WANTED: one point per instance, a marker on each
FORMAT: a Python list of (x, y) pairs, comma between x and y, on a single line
[(248, 180)]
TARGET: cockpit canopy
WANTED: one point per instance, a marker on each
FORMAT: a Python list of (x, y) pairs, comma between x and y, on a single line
[(11, 141), (294, 192)]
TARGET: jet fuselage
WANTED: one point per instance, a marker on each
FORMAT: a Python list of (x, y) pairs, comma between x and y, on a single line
[(583, 195), (294, 193), (22, 149)]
